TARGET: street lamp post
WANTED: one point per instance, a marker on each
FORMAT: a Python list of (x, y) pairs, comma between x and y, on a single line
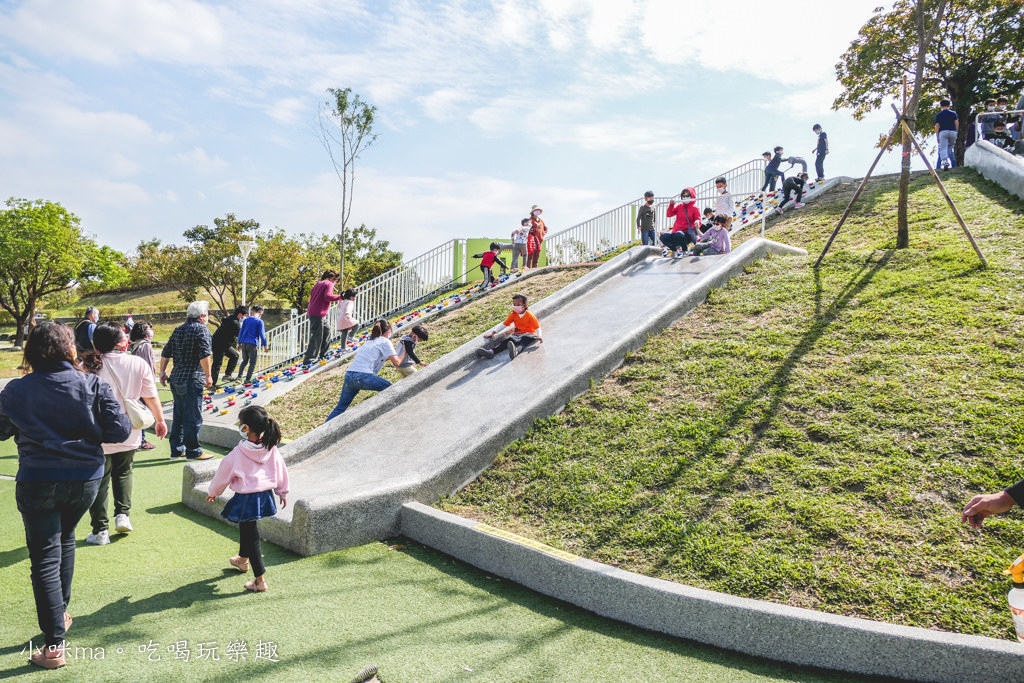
[(246, 247)]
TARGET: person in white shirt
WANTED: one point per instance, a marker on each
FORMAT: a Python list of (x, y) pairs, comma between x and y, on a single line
[(369, 359)]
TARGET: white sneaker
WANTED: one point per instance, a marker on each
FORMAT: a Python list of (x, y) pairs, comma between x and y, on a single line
[(101, 538), (799, 205), (122, 524)]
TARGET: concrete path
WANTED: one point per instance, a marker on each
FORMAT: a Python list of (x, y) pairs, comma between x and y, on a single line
[(438, 430)]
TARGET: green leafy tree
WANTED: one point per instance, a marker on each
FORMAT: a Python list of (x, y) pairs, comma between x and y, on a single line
[(42, 251), (977, 53), (105, 269), (346, 130), (368, 256), (916, 23), (211, 261)]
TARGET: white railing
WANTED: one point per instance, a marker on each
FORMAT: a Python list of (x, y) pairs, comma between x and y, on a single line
[(618, 227), (384, 295), (429, 274)]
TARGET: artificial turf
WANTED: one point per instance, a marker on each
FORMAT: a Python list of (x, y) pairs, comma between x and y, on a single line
[(417, 614)]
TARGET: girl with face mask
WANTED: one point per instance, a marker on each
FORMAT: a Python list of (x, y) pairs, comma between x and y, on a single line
[(525, 331), (141, 344), (254, 470), (368, 361)]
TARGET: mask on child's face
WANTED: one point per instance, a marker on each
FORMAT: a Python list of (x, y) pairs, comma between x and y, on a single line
[(243, 432), (687, 200), (536, 213), (722, 190), (518, 310), (990, 107), (649, 202)]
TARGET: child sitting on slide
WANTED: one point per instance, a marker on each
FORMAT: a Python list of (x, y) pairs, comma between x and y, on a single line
[(715, 240), (526, 331), (487, 260)]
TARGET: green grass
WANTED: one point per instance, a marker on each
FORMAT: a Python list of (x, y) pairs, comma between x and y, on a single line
[(306, 406), (809, 437), (417, 614)]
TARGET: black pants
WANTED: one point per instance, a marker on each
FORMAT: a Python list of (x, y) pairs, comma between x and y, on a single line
[(819, 165), (785, 200), (488, 276), (676, 240), (319, 339), (344, 338), (250, 352), (249, 547), (50, 510), (218, 357), (522, 341), (770, 176), (118, 471)]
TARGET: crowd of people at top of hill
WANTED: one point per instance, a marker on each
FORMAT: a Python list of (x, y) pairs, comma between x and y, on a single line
[(995, 122)]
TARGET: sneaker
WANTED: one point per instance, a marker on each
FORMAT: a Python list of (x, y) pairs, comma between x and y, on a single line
[(819, 180), (799, 205), (228, 378), (51, 657), (779, 210), (177, 455), (512, 350), (98, 538), (147, 446), (201, 456), (122, 524), (484, 353)]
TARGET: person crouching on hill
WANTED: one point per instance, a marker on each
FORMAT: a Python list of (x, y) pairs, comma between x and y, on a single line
[(369, 359), (525, 331)]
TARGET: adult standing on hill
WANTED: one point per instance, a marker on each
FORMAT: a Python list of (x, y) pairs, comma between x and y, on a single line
[(537, 231), (59, 417), (85, 328), (320, 300), (190, 346), (225, 339)]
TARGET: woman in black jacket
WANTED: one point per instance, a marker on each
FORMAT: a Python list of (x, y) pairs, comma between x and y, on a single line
[(59, 417)]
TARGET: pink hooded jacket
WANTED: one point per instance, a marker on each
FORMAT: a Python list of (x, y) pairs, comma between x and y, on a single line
[(687, 215), (251, 468)]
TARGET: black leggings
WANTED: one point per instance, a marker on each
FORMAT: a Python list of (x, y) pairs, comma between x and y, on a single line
[(249, 547)]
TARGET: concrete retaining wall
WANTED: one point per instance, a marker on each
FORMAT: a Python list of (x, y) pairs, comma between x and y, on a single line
[(997, 165), (754, 627)]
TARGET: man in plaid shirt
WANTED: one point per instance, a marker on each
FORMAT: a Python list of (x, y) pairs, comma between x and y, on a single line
[(191, 347)]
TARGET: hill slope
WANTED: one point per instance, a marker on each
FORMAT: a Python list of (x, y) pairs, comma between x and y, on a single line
[(809, 437)]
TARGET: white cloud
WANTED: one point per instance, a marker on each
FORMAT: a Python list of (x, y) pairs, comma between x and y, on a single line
[(288, 110), (110, 31), (200, 160), (113, 194)]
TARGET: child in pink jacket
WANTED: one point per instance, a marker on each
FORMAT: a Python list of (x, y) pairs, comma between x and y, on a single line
[(252, 470), (347, 324), (687, 215)]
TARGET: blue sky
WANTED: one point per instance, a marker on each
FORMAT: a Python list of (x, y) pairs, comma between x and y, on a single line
[(146, 117)]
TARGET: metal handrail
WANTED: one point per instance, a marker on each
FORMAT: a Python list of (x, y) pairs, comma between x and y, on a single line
[(435, 271)]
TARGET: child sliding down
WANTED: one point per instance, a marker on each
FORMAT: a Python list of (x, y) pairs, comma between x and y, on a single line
[(715, 240), (252, 470), (526, 331)]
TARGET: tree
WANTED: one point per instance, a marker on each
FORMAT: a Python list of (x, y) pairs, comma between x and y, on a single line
[(926, 18), (42, 251), (346, 129), (978, 52), (212, 261)]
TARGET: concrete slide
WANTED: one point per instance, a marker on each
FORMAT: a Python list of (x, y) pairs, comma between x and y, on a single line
[(434, 432)]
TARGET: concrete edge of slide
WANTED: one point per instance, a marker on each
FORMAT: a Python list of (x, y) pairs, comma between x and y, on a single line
[(373, 515), (754, 627), (997, 165)]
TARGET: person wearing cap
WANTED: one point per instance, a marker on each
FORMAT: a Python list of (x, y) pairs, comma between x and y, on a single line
[(537, 232), (645, 220)]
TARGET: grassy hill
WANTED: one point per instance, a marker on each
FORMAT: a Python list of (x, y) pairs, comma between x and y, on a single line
[(809, 436)]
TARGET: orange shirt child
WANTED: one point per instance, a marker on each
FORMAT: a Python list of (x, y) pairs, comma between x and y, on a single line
[(526, 323)]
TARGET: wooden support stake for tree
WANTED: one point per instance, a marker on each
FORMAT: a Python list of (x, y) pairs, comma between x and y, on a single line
[(856, 195), (942, 188)]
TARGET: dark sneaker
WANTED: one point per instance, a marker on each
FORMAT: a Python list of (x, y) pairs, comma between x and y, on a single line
[(201, 456), (175, 455), (484, 353), (512, 350)]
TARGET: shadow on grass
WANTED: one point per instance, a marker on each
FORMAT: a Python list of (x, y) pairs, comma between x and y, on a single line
[(565, 621)]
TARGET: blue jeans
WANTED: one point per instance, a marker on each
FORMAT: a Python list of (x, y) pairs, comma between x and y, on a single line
[(947, 147), (770, 176), (677, 240), (186, 418), (50, 510), (354, 383), (648, 237)]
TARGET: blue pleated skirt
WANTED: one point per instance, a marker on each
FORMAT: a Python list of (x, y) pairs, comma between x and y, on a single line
[(248, 507)]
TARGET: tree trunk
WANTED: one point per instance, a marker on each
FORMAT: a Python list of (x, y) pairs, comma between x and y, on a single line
[(963, 114), (19, 335)]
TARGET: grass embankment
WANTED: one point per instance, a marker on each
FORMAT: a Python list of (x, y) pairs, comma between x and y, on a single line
[(417, 614), (809, 437), (306, 406)]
